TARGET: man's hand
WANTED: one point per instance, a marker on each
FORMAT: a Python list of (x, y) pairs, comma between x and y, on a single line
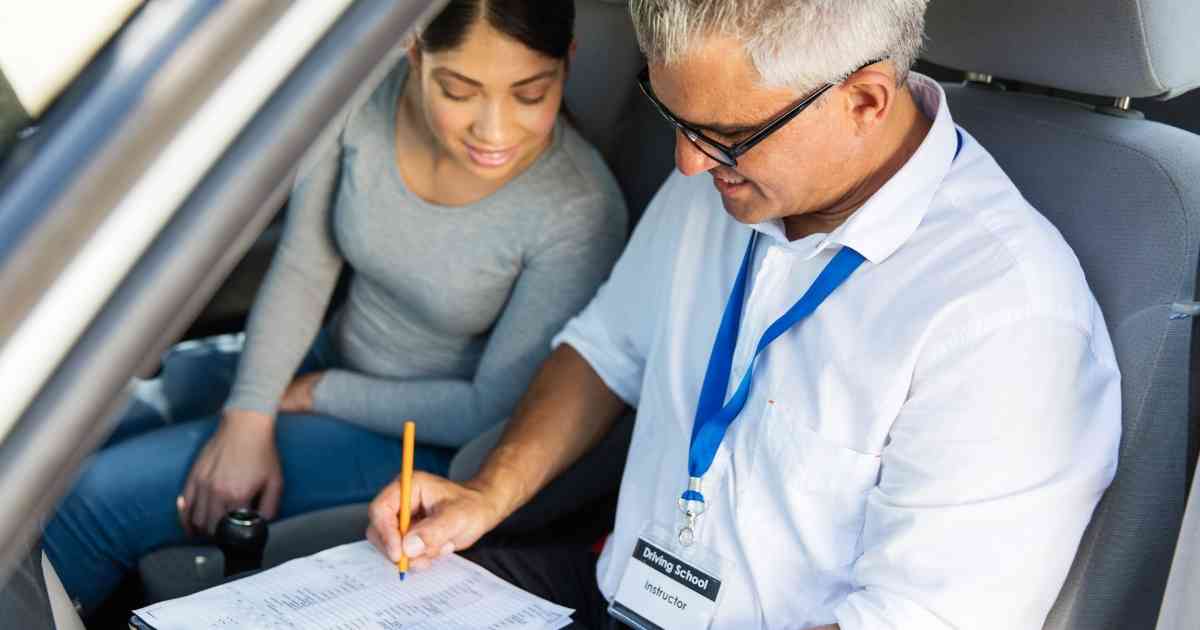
[(566, 411), (447, 517), (298, 397), (237, 464)]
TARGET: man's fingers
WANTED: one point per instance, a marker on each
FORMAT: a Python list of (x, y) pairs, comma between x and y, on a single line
[(429, 536), (384, 522), (414, 546), (427, 492), (376, 542), (421, 563), (425, 538), (441, 521)]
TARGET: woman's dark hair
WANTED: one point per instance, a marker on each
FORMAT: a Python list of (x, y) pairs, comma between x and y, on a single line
[(546, 26)]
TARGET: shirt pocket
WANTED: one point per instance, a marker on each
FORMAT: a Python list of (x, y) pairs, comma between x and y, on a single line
[(820, 488), (809, 498), (808, 459)]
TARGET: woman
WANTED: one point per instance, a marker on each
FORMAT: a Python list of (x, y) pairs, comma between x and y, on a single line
[(475, 221)]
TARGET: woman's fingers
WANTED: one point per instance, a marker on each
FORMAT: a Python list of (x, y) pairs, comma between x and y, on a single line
[(268, 501), (217, 509), (199, 509), (186, 502), (181, 510)]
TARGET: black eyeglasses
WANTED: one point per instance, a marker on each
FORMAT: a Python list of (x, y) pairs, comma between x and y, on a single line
[(723, 153)]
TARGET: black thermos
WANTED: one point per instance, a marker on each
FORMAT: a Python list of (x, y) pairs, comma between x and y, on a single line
[(242, 536)]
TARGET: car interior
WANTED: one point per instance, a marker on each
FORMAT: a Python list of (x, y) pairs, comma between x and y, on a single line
[(1087, 105)]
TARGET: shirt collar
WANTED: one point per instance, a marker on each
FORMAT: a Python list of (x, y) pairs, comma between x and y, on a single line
[(892, 214)]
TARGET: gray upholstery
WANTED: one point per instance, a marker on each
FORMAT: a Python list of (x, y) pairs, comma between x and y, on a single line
[(1126, 195), (601, 78), (33, 597), (1181, 607), (646, 157), (1106, 47), (24, 602), (180, 570), (609, 109), (309, 533)]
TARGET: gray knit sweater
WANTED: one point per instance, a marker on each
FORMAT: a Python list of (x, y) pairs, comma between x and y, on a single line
[(450, 309)]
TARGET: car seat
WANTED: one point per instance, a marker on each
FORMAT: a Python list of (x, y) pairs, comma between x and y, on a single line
[(1125, 193)]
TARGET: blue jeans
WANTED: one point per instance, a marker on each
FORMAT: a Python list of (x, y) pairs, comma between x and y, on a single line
[(123, 504)]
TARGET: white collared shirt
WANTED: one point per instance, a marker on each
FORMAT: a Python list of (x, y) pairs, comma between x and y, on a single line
[(924, 451)]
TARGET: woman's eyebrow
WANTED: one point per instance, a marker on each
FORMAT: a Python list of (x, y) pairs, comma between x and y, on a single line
[(537, 77), (465, 79), (454, 75)]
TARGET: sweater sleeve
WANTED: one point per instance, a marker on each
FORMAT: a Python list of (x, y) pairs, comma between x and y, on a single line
[(560, 274), (291, 303)]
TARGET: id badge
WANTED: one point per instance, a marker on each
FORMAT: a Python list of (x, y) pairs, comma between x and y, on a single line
[(667, 586)]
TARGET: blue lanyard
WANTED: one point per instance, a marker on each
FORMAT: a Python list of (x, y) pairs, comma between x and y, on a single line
[(712, 417)]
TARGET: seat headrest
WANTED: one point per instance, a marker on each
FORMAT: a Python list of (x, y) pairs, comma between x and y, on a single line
[(604, 72), (1138, 48)]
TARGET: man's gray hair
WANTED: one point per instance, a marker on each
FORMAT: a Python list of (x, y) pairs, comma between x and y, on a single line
[(800, 44)]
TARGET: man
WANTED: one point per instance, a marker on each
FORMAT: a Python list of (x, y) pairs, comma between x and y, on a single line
[(923, 437)]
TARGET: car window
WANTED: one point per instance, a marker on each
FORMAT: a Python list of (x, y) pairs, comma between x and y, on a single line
[(43, 47)]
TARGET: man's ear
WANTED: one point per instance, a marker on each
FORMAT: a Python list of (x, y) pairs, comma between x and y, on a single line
[(870, 96)]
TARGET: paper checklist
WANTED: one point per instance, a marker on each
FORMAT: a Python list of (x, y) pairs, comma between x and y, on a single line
[(353, 587)]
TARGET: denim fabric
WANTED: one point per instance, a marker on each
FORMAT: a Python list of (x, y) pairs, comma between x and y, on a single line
[(123, 504)]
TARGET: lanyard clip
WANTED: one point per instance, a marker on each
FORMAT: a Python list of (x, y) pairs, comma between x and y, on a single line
[(691, 503)]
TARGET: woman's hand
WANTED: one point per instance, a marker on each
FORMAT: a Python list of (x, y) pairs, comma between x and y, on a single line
[(447, 517), (298, 397), (238, 464)]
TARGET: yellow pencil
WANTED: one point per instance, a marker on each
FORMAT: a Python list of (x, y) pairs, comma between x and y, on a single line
[(406, 472)]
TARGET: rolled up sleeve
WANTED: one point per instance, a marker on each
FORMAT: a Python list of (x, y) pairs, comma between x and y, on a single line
[(1005, 445)]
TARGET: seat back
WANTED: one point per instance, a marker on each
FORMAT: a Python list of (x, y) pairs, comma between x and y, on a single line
[(1125, 193), (607, 106), (603, 72)]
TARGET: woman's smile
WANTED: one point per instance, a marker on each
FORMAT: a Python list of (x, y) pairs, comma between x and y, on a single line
[(490, 158)]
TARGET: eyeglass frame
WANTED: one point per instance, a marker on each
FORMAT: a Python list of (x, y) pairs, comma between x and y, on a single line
[(731, 152)]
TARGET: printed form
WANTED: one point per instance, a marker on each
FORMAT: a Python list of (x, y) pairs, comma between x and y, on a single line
[(354, 587)]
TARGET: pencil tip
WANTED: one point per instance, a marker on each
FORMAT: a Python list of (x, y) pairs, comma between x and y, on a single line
[(402, 576)]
